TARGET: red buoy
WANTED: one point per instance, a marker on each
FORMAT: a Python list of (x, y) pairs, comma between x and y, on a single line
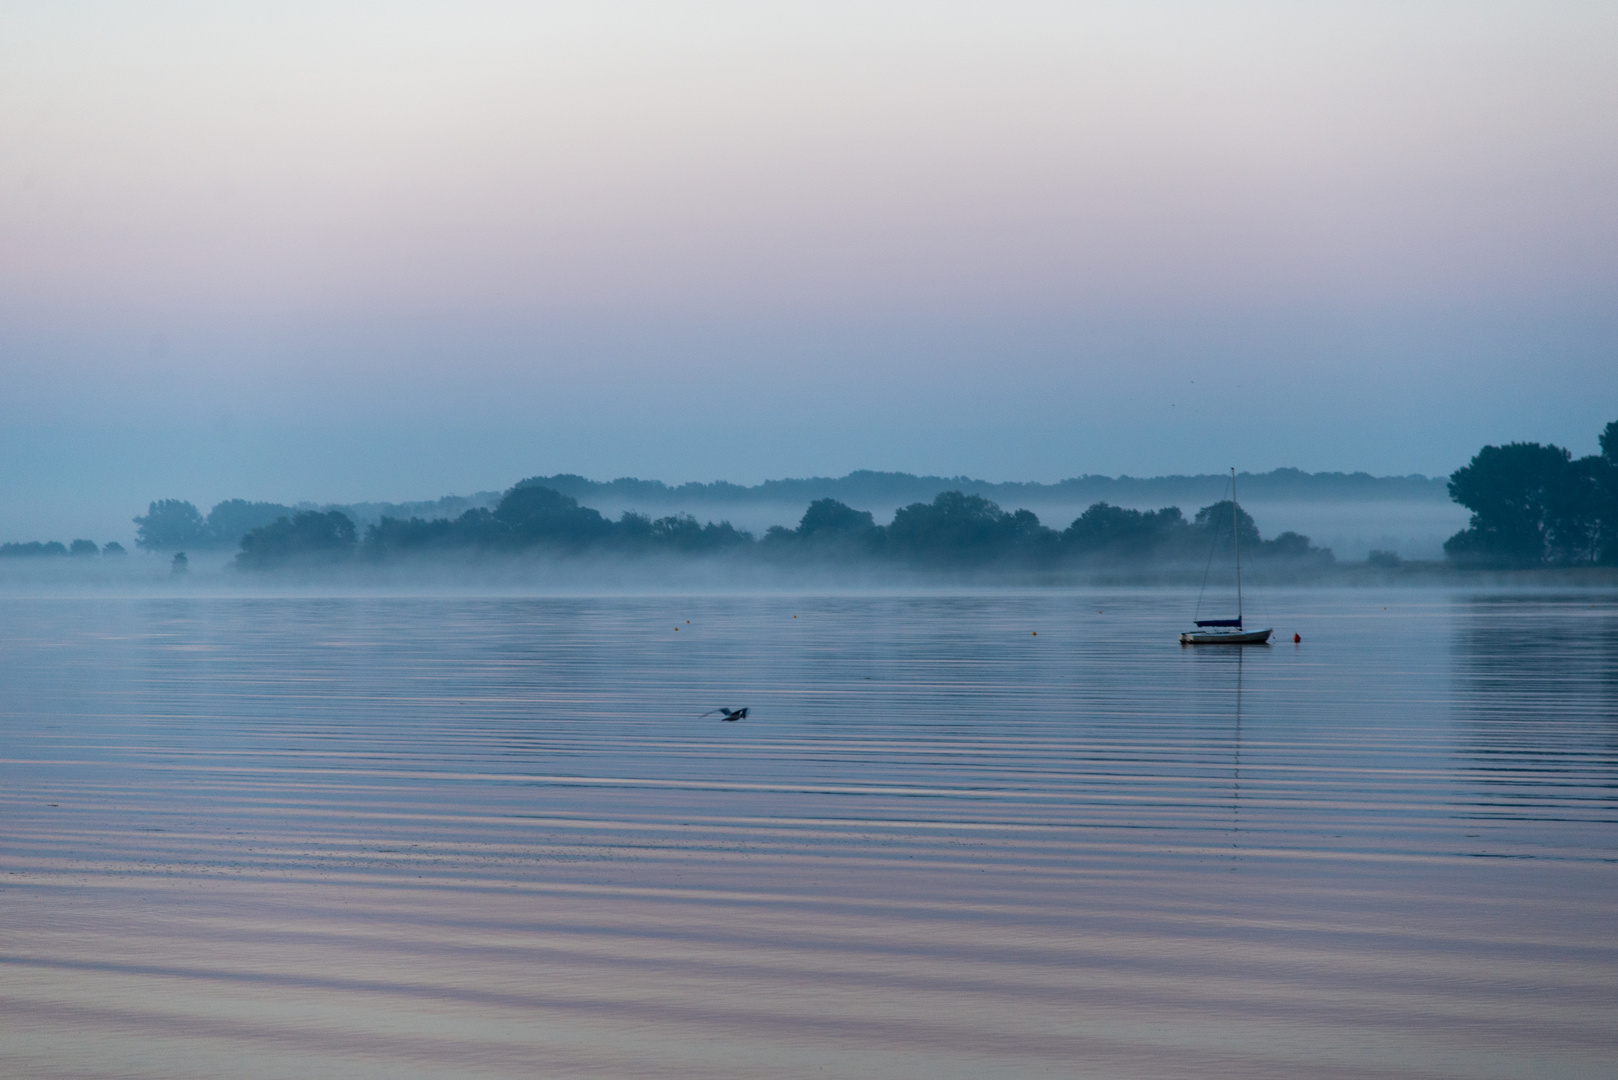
[(1296, 638)]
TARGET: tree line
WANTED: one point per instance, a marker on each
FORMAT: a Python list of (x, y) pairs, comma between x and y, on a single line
[(34, 549), (176, 525), (954, 529), (1532, 505), (897, 488), (1535, 505)]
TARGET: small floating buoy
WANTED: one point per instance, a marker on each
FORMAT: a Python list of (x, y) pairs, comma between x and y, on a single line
[(1296, 638), (1036, 633)]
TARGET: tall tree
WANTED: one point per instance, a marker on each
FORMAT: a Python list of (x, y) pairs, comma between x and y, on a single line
[(1605, 469), (170, 524), (1573, 524), (966, 528), (1521, 496), (831, 516), (533, 514), (1214, 522), (233, 519), (309, 536), (1123, 533)]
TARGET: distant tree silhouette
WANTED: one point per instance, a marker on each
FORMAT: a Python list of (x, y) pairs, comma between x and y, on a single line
[(1213, 522), (533, 514), (1514, 492), (32, 549), (233, 519), (1289, 545), (1119, 533), (396, 534), (1028, 535), (829, 530), (310, 536), (83, 548), (479, 526), (634, 529), (1294, 546), (473, 528), (953, 525), (113, 549), (1576, 513), (956, 527), (682, 532), (1604, 471), (170, 524), (1534, 504), (408, 533), (831, 516)]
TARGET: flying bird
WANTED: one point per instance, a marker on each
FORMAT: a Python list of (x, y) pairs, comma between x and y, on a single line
[(729, 714)]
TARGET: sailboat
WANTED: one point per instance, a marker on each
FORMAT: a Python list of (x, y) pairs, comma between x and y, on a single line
[(1227, 631)]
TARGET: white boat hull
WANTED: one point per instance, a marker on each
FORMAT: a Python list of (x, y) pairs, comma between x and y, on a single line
[(1227, 637)]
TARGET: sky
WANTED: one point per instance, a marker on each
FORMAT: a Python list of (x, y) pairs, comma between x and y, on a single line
[(347, 251)]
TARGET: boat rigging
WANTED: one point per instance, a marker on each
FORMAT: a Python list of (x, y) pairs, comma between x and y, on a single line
[(1226, 631)]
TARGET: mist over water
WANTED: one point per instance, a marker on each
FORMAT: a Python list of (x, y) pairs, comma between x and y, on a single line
[(296, 782), (960, 835), (1412, 529)]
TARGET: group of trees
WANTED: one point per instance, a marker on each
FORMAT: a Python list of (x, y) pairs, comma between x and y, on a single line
[(954, 529), (1117, 533), (527, 516), (1536, 505), (174, 524), (1532, 505), (896, 488), (963, 529), (45, 548), (310, 534)]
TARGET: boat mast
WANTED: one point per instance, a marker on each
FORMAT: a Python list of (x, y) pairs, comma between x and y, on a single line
[(1236, 538)]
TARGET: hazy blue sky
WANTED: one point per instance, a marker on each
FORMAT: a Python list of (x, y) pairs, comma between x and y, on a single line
[(346, 251)]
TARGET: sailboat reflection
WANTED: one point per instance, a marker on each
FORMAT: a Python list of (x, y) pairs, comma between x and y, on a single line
[(1224, 676), (1236, 765)]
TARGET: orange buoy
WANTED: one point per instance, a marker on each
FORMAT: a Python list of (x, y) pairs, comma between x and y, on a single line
[(1036, 633)]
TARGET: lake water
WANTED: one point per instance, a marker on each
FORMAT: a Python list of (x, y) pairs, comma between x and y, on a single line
[(987, 835)]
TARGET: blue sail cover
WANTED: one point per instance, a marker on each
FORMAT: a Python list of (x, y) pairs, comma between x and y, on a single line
[(1237, 623)]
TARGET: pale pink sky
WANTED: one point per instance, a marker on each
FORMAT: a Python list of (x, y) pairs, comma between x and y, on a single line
[(392, 250)]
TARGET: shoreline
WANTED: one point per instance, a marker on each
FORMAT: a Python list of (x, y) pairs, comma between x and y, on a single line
[(565, 575)]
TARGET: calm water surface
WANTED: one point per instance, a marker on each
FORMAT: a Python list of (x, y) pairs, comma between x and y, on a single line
[(1007, 835)]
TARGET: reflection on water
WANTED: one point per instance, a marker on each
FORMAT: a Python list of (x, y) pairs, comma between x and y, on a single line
[(1537, 697), (1008, 835)]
